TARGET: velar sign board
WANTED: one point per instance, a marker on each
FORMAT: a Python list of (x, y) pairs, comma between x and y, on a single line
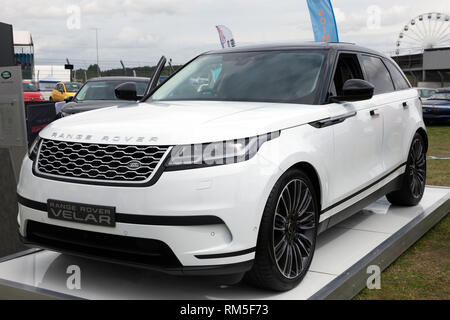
[(12, 118)]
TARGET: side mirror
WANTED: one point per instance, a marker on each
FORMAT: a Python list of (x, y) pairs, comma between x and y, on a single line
[(126, 91), (68, 99), (356, 90)]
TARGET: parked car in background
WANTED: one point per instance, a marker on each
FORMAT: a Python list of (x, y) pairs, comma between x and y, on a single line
[(63, 90), (30, 92), (99, 93), (437, 107), (426, 93), (162, 79)]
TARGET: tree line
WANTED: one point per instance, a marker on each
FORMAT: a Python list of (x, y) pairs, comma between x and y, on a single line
[(93, 72)]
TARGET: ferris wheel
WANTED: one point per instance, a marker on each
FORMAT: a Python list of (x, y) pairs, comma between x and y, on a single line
[(426, 31)]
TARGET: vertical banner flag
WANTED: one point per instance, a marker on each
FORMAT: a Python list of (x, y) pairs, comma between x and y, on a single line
[(226, 37), (323, 21)]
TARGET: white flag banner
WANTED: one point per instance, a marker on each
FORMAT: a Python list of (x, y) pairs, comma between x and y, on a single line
[(226, 37)]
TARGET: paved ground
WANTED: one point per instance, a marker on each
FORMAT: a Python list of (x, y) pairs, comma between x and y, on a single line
[(9, 242)]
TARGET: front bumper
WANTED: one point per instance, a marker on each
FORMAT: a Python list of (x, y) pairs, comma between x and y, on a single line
[(146, 253), (209, 217)]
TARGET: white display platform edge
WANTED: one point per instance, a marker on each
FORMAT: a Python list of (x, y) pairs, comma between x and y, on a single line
[(353, 280), (345, 286), (15, 290)]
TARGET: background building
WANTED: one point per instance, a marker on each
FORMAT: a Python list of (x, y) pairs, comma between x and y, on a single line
[(423, 50), (24, 53), (428, 69)]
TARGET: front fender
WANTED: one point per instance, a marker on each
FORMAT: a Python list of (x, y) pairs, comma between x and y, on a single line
[(304, 144)]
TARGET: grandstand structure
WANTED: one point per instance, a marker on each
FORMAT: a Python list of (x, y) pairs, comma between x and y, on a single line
[(430, 68), (24, 53), (423, 50)]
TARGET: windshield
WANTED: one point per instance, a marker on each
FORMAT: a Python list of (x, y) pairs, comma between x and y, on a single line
[(441, 96), (72, 87), (104, 90), (29, 87), (426, 93), (267, 76)]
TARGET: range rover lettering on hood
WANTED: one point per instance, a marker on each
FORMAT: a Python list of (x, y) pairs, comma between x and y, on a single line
[(104, 139)]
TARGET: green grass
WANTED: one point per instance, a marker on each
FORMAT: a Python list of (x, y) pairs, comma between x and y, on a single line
[(423, 271), (438, 172), (439, 140)]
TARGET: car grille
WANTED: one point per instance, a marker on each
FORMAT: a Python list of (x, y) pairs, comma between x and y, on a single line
[(98, 162)]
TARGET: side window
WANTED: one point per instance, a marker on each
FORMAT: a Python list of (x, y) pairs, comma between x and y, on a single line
[(398, 78), (377, 74), (59, 87), (347, 68)]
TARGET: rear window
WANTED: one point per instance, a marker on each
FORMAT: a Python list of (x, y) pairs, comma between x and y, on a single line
[(426, 93), (104, 90), (441, 96), (377, 74), (29, 87), (72, 87), (397, 77)]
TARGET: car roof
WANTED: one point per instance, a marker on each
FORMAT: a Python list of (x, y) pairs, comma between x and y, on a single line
[(116, 78), (343, 46)]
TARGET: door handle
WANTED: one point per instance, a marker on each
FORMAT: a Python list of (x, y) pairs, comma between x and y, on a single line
[(374, 113), (405, 105)]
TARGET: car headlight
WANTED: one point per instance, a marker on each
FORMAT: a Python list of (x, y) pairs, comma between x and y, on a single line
[(32, 152), (216, 153)]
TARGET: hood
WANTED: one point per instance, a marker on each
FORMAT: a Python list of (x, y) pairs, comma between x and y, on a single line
[(187, 122), (82, 106)]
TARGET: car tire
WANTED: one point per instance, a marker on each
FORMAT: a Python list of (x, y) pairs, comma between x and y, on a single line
[(50, 99), (287, 234), (413, 185)]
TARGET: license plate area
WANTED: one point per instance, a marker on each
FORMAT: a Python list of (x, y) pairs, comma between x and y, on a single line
[(82, 213)]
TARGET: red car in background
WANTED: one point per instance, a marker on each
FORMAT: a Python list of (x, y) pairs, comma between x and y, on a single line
[(30, 93)]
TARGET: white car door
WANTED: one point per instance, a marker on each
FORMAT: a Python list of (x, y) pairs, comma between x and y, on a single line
[(397, 133), (394, 106), (358, 141)]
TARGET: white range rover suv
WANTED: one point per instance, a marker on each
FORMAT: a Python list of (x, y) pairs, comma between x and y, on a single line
[(233, 165)]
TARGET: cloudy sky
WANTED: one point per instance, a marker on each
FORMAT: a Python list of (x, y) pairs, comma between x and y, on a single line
[(139, 31)]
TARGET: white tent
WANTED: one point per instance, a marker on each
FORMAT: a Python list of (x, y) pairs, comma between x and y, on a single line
[(22, 38), (58, 73), (48, 75)]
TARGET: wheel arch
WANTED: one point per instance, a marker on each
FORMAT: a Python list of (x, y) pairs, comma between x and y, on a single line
[(313, 175), (424, 135)]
